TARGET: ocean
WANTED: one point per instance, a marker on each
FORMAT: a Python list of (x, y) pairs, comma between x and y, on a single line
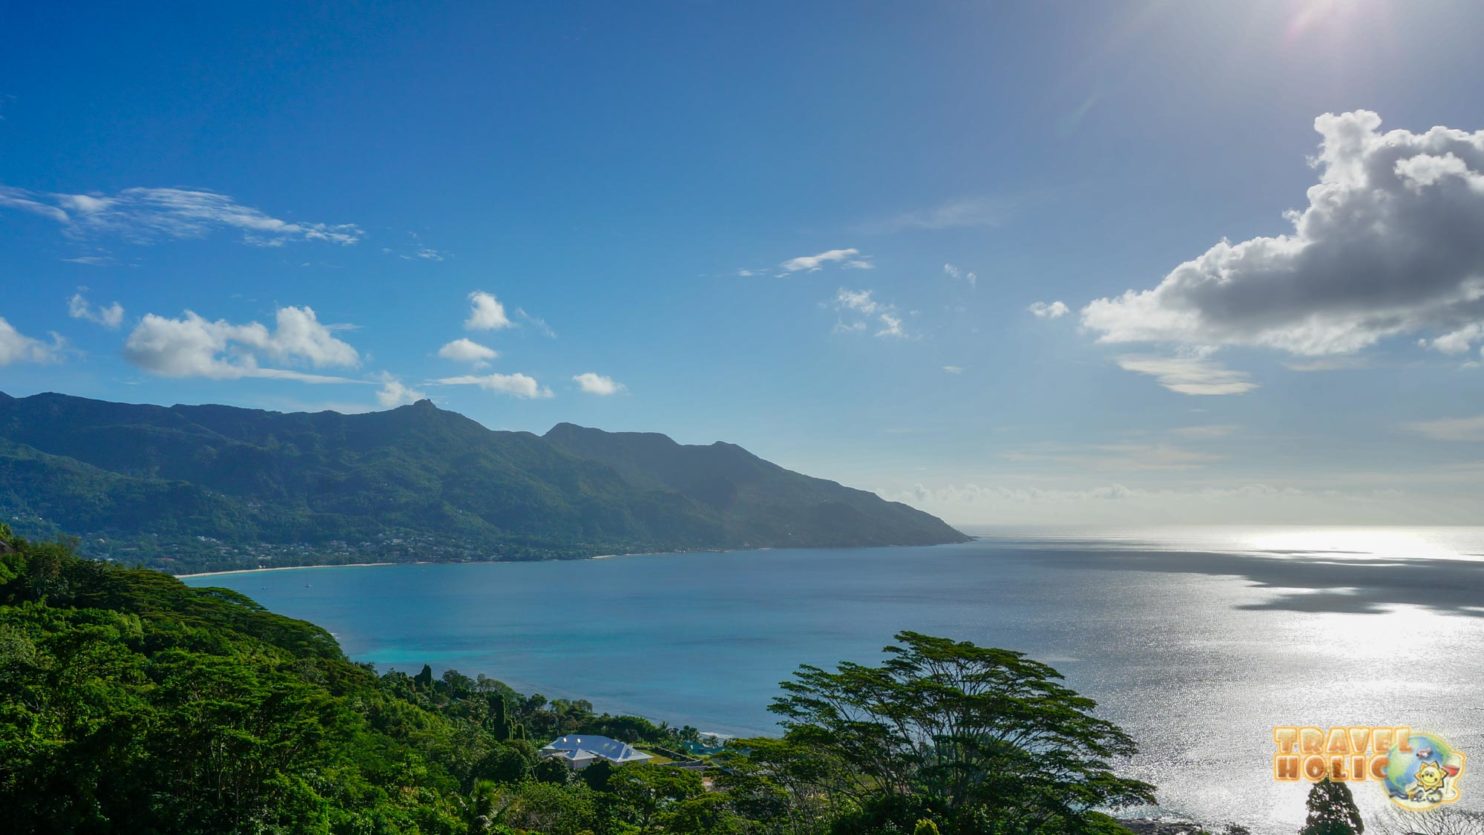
[(1198, 641)]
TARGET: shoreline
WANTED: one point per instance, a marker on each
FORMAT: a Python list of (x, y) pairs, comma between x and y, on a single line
[(282, 568)]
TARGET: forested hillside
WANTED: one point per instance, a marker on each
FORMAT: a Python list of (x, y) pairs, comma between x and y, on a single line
[(212, 487), (131, 703)]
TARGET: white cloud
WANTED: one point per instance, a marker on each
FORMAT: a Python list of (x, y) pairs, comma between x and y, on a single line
[(1459, 341), (17, 347), (955, 214), (485, 313), (536, 322), (1390, 243), (1451, 429), (1205, 432), (515, 385), (109, 317), (857, 300), (1053, 310), (16, 198), (147, 214), (1192, 374), (891, 325), (1125, 456), (1316, 364), (394, 393), (863, 312), (848, 258), (467, 350), (1119, 504), (592, 383), (192, 346), (952, 369), (958, 273), (300, 337)]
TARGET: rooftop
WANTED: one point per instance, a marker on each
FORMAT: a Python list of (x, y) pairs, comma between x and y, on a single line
[(572, 746)]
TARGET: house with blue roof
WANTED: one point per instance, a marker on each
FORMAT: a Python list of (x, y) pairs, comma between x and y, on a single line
[(579, 751)]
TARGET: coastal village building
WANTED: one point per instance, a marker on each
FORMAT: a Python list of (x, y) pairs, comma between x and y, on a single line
[(579, 751)]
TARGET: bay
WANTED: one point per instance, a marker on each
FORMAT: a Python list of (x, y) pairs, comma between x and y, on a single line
[(1197, 640)]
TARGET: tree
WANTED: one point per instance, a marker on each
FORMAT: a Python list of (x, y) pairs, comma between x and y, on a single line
[(424, 679), (644, 793), (1332, 811), (596, 775), (503, 764), (969, 734), (551, 809), (551, 770), (499, 717), (706, 814), (1444, 820)]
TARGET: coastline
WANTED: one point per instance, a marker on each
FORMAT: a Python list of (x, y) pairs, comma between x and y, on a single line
[(282, 568)]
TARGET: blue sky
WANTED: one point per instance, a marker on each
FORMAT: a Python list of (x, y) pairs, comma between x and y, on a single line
[(884, 243)]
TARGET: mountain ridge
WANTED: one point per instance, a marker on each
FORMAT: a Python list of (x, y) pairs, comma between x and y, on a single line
[(214, 487)]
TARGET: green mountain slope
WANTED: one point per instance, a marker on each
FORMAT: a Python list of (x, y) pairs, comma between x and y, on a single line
[(205, 487), (757, 501)]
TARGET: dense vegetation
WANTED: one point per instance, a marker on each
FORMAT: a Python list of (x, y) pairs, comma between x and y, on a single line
[(130, 702), (193, 488)]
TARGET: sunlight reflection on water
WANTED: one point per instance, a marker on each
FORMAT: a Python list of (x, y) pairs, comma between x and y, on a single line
[(1197, 640)]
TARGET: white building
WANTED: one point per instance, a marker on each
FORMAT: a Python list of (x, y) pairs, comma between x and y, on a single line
[(579, 751)]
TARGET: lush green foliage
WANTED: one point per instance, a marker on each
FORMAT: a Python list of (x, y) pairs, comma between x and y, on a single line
[(130, 702), (1332, 811), (973, 738), (209, 487)]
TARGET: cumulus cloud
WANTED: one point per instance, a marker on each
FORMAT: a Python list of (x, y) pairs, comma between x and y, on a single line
[(192, 346), (1391, 242), (485, 313), (861, 311), (591, 383), (1451, 429), (847, 258), (17, 347), (149, 214), (958, 273), (1191, 374), (515, 385), (467, 350), (109, 317), (394, 393), (1458, 341), (1052, 310)]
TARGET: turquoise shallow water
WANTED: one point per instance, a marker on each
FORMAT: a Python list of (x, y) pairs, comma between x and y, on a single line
[(1198, 641)]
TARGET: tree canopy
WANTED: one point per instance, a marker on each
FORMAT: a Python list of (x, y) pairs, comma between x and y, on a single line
[(970, 734), (131, 703)]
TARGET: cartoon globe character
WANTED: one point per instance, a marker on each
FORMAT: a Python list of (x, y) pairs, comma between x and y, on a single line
[(1425, 776)]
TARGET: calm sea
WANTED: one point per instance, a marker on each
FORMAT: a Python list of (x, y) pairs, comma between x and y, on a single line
[(1198, 641)]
